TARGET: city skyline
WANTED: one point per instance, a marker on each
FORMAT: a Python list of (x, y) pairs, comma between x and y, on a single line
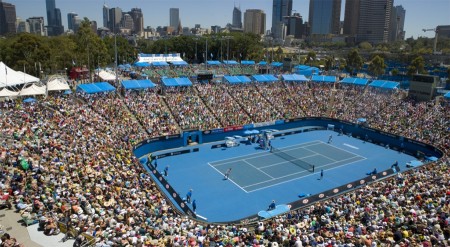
[(156, 13)]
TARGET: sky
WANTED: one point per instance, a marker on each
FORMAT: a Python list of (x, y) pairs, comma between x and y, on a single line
[(420, 14)]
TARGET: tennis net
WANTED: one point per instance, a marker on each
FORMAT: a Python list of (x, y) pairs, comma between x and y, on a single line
[(292, 159)]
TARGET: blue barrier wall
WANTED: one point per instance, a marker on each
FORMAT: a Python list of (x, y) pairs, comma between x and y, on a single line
[(396, 142)]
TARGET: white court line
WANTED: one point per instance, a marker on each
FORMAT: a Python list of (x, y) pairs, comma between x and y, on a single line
[(282, 182), (228, 178), (257, 168), (273, 179), (235, 158), (342, 149), (350, 146)]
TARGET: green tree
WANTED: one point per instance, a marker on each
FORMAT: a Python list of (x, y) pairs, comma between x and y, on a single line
[(365, 46), (329, 63), (377, 66), (354, 61), (417, 66)]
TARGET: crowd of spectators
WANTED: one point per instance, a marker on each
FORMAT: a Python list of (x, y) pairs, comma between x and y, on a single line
[(68, 159)]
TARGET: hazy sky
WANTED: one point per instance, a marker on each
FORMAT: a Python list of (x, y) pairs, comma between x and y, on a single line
[(419, 13)]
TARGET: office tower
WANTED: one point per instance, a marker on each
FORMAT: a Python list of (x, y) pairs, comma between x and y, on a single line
[(237, 18), (105, 16), (174, 17), (443, 31), (351, 17), (115, 19), (280, 10), (7, 18), (37, 25), (374, 21), (254, 21), (138, 20), (22, 26), (76, 23), (295, 25), (324, 16), (397, 24), (127, 22), (54, 21), (71, 20)]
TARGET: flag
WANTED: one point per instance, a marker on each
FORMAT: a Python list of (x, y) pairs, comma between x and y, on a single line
[(240, 54), (73, 62), (211, 55)]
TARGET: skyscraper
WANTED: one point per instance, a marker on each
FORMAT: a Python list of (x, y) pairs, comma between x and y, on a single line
[(374, 21), (138, 20), (280, 10), (397, 24), (37, 25), (54, 21), (22, 26), (105, 16), (324, 16), (351, 17), (174, 17), (254, 21), (237, 18), (71, 20), (115, 19), (295, 26), (7, 18)]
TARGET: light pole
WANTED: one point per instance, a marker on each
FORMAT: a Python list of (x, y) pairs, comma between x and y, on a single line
[(206, 54)]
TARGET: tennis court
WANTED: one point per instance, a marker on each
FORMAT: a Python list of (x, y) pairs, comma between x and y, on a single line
[(262, 170)]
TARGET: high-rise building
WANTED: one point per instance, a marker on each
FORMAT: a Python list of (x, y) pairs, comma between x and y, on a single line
[(443, 31), (22, 26), (76, 23), (127, 22), (105, 16), (324, 16), (7, 18), (237, 18), (54, 21), (397, 23), (71, 20), (115, 19), (174, 17), (37, 25), (280, 10), (254, 21), (138, 20), (295, 26), (374, 21), (351, 17)]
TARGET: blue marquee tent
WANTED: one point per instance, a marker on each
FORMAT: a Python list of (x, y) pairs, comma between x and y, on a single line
[(230, 62), (237, 79), (161, 63), (355, 81), (306, 70), (323, 78), (384, 84), (142, 64), (262, 63), (179, 63), (294, 77), (247, 62), (138, 84), (176, 82), (213, 62), (447, 95), (264, 78), (276, 64), (97, 87)]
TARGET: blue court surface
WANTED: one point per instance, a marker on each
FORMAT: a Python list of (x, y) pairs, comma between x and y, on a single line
[(259, 176)]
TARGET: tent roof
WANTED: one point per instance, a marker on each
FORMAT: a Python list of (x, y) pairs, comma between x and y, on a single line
[(107, 76), (276, 64), (57, 84), (262, 63), (138, 84), (4, 92), (237, 79), (214, 62), (10, 77), (447, 95), (179, 63), (142, 64), (247, 62), (384, 84), (294, 77), (355, 81), (176, 82), (265, 78), (323, 78), (98, 87), (160, 63), (33, 90), (230, 62)]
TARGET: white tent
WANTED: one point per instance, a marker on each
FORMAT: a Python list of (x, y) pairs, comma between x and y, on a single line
[(7, 93), (106, 76), (10, 77), (57, 84), (32, 90)]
